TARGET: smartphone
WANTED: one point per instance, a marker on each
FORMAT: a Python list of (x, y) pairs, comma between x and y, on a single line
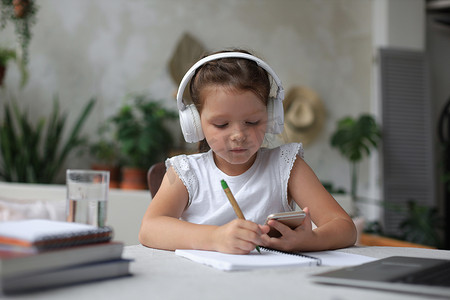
[(293, 219)]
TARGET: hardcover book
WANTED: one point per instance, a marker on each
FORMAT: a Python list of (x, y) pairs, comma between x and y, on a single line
[(13, 263), (65, 276)]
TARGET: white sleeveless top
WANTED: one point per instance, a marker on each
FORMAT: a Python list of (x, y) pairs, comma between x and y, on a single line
[(260, 191)]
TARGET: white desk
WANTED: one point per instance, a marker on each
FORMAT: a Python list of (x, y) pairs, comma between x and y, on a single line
[(162, 275)]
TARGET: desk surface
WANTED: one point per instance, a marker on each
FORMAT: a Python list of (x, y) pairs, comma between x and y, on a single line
[(162, 275)]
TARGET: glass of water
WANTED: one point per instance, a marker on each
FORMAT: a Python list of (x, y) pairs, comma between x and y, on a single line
[(87, 196)]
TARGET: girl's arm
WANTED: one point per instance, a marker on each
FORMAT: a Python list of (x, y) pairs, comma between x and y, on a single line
[(161, 227), (335, 229)]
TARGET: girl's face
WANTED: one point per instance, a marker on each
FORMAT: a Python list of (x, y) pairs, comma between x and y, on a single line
[(234, 123)]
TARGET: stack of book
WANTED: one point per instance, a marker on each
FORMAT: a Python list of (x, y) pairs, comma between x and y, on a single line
[(40, 254)]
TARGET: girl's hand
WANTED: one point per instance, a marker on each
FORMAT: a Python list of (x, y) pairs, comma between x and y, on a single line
[(238, 236), (291, 239)]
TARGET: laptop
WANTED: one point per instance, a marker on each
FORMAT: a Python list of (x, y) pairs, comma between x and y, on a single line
[(396, 273)]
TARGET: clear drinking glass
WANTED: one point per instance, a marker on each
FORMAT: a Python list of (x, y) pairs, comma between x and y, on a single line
[(87, 196)]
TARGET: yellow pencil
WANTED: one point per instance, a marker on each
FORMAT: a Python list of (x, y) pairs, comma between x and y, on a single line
[(235, 205)]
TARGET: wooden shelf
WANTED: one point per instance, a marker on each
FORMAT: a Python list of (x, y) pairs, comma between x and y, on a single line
[(376, 240)]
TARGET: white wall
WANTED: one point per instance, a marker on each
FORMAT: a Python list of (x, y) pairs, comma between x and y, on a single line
[(108, 48), (399, 24)]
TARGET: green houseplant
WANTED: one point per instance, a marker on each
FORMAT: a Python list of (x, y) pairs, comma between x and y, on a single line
[(142, 135), (35, 153), (6, 55), (106, 154), (22, 13), (355, 138), (422, 224)]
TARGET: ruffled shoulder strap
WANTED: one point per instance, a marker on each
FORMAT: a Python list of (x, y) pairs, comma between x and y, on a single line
[(182, 167), (288, 155)]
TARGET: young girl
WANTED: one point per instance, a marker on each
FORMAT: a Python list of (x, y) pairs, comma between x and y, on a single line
[(191, 210)]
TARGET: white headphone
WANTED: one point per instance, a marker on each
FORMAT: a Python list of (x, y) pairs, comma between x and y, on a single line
[(190, 117)]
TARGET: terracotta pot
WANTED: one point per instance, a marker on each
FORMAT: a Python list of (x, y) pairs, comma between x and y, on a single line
[(114, 174), (21, 8), (133, 179)]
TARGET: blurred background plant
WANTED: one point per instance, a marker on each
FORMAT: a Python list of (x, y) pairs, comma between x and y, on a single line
[(355, 138), (422, 224), (106, 154), (22, 14), (6, 55), (141, 130), (105, 150), (143, 137), (35, 153)]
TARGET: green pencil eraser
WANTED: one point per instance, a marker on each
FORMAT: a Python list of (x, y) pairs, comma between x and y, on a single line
[(224, 184)]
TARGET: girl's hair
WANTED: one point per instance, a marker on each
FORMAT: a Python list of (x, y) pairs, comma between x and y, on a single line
[(234, 73)]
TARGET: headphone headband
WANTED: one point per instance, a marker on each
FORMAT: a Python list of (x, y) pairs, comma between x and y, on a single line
[(190, 73), (190, 118)]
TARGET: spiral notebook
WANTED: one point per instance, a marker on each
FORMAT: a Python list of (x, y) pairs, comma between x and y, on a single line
[(38, 235), (231, 262), (270, 258)]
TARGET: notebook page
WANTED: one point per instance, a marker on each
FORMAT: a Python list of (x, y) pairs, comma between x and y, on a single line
[(230, 262), (336, 258)]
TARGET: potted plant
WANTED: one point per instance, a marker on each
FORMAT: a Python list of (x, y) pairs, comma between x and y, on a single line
[(35, 153), (143, 137), (106, 153), (22, 13), (354, 138)]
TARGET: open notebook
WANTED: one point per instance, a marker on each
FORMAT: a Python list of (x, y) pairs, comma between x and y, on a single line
[(269, 258)]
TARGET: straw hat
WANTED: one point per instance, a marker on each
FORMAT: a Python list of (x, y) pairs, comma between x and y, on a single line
[(304, 115)]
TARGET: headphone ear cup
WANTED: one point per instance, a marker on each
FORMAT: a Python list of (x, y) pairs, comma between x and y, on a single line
[(191, 125), (275, 114)]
